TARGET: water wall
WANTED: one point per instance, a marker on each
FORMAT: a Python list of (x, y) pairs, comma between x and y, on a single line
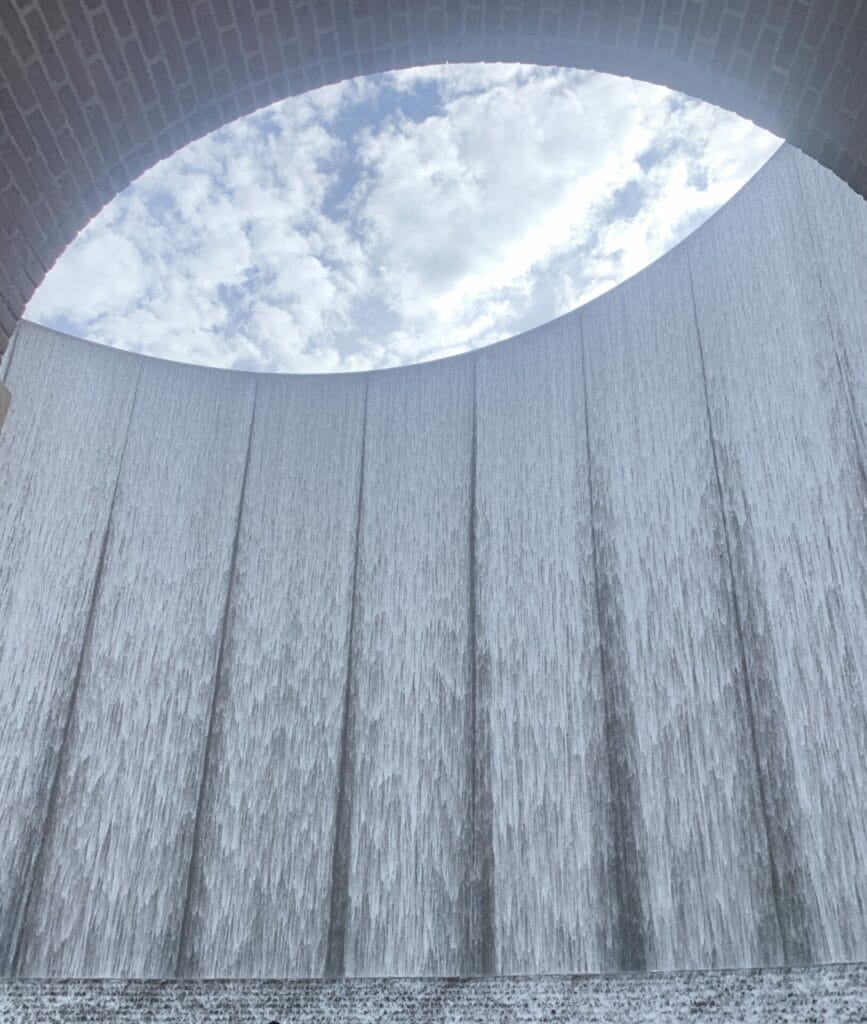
[(549, 658)]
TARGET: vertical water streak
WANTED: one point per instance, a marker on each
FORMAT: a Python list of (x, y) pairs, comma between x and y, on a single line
[(538, 661), (34, 880), (339, 896), (778, 853), (182, 961), (794, 501), (410, 708), (59, 464), (836, 218), (837, 221), (110, 895), (260, 892), (624, 875), (481, 950), (672, 647)]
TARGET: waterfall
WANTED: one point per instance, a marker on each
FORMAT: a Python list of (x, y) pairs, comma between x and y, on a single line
[(549, 658)]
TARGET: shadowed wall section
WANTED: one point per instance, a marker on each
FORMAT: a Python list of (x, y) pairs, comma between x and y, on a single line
[(545, 658)]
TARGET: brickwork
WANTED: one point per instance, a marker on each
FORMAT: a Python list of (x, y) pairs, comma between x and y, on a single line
[(93, 92)]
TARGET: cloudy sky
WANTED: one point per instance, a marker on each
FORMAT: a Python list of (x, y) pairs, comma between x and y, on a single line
[(398, 218)]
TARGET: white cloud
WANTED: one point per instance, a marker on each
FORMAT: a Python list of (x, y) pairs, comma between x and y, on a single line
[(107, 272), (398, 218), (471, 210)]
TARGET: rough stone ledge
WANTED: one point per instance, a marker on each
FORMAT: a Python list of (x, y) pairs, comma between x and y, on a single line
[(836, 994)]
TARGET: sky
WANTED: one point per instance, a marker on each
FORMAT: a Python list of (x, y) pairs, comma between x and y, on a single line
[(398, 218)]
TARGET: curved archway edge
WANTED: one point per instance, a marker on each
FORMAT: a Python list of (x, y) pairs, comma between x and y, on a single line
[(93, 92)]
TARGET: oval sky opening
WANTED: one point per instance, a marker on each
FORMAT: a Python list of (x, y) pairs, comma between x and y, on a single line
[(398, 218)]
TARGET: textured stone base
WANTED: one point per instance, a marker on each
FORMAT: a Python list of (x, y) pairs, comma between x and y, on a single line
[(4, 402), (834, 994)]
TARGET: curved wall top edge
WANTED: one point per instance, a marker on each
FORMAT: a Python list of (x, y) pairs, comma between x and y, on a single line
[(613, 294)]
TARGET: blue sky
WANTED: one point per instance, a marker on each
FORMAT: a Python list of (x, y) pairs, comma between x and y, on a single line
[(398, 218)]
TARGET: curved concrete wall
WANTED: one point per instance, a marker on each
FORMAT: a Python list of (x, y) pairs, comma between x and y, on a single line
[(547, 658)]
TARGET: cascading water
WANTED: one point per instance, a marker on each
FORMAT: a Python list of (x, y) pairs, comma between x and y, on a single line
[(547, 658)]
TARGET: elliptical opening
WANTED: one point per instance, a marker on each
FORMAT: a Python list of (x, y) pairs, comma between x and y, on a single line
[(398, 218)]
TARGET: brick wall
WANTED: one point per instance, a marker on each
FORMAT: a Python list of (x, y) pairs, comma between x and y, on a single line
[(93, 92)]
